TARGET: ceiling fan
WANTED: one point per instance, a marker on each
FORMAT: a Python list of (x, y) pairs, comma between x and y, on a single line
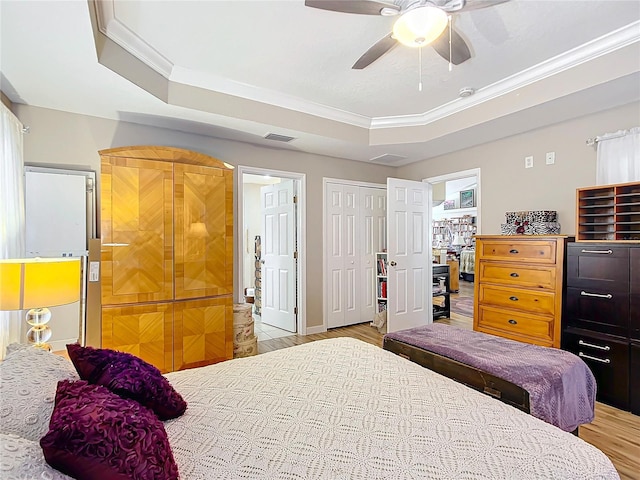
[(420, 22)]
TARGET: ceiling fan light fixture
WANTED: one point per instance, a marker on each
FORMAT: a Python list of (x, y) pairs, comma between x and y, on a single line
[(420, 26)]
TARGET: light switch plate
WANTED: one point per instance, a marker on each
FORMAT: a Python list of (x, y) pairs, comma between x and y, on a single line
[(550, 158), (528, 162)]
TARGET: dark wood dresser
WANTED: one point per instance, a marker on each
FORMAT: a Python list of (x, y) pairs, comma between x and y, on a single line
[(601, 322)]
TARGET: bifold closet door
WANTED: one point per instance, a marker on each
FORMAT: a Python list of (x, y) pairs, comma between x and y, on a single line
[(372, 219), (343, 255), (356, 230)]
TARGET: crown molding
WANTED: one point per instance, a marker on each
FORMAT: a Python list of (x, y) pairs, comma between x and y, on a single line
[(589, 51), (111, 27)]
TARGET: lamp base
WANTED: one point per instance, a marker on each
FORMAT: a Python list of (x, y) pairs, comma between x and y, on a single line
[(39, 333)]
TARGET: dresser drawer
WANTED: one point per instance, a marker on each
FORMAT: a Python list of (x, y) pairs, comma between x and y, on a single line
[(536, 276), (599, 266), (634, 386), (529, 301), (516, 325), (599, 310), (634, 318), (608, 359), (534, 251)]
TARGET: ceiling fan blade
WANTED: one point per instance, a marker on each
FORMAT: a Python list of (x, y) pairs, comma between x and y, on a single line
[(459, 50), (364, 7), (375, 52), (477, 4)]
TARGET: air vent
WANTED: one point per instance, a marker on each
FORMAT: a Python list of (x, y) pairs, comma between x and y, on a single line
[(278, 138), (387, 159)]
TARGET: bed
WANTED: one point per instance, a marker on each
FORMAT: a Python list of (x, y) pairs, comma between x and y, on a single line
[(340, 409)]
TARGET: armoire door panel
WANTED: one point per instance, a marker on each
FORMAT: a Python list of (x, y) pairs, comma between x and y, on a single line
[(203, 233), (137, 236), (203, 331), (142, 330)]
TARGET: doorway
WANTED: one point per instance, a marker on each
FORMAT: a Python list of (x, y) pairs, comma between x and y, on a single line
[(456, 221), (271, 250)]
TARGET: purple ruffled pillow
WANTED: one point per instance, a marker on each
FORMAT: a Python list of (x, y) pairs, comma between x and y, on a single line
[(128, 376), (95, 434)]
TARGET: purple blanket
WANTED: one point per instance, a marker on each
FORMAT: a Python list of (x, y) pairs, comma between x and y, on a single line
[(561, 387)]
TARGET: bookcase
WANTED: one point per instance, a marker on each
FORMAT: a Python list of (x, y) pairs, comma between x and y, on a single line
[(445, 231), (608, 213), (381, 281)]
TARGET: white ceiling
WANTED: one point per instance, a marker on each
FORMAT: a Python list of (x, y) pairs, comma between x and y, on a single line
[(242, 69)]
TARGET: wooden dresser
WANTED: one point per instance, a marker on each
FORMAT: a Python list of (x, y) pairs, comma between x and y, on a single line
[(519, 287)]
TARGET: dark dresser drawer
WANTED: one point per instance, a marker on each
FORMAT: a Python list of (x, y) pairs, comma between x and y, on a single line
[(634, 381), (608, 359), (634, 288), (598, 266), (600, 310)]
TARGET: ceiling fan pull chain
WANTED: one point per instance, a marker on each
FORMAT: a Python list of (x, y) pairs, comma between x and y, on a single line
[(450, 44), (419, 69)]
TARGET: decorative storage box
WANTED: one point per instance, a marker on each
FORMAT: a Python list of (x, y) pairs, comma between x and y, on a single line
[(530, 228), (532, 216), (534, 222), (245, 342)]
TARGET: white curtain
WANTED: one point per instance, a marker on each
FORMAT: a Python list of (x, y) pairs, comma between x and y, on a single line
[(618, 157), (12, 233)]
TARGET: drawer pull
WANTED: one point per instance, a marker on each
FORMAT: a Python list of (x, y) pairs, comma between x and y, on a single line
[(513, 299), (608, 296), (514, 275), (589, 357), (513, 322), (606, 348), (605, 252), (513, 250)]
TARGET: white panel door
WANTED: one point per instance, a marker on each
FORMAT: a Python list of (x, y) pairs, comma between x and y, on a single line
[(343, 255), (278, 261), (373, 238), (409, 301), (334, 245)]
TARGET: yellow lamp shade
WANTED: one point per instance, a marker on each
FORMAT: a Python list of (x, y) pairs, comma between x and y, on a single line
[(420, 26), (10, 285), (38, 282)]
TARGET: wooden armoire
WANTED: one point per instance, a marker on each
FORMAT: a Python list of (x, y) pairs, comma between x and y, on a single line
[(167, 255)]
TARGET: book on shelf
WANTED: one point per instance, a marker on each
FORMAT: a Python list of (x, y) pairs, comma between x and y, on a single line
[(382, 267)]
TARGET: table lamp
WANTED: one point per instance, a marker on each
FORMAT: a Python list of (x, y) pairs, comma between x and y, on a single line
[(35, 284)]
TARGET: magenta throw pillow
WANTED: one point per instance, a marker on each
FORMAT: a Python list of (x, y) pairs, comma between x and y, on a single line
[(128, 376), (95, 434)]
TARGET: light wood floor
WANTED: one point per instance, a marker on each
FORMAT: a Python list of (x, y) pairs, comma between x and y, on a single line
[(615, 432)]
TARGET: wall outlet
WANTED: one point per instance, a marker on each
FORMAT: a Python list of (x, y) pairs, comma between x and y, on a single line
[(550, 158), (528, 162)]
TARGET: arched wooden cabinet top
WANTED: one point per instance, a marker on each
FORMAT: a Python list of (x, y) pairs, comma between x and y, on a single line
[(166, 154)]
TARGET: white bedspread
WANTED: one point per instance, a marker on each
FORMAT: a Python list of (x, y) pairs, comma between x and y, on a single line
[(344, 409)]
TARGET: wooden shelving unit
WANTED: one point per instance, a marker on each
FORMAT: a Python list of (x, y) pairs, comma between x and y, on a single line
[(608, 213)]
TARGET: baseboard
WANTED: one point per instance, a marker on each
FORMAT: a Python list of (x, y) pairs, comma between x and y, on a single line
[(318, 329)]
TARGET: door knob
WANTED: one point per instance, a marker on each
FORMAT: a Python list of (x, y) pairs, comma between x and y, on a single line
[(392, 263), (262, 262)]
